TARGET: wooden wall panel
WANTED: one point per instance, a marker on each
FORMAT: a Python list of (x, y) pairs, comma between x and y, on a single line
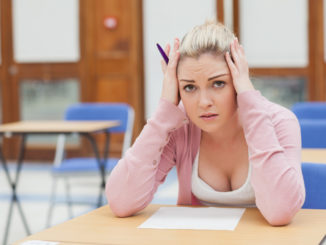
[(111, 66), (113, 57), (116, 40), (113, 90)]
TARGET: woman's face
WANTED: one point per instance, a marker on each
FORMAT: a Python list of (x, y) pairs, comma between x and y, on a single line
[(207, 91)]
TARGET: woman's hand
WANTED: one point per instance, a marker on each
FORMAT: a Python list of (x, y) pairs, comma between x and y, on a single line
[(239, 68), (170, 89)]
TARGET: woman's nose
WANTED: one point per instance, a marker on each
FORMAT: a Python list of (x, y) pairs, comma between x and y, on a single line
[(205, 99)]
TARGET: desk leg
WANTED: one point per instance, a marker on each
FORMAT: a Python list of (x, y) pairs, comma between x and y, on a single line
[(101, 164), (13, 184)]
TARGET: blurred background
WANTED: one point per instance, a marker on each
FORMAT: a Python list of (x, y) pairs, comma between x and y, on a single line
[(58, 52)]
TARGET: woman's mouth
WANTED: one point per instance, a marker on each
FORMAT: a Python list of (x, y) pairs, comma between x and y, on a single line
[(209, 116)]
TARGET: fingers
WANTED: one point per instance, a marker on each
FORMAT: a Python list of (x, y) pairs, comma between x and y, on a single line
[(173, 56), (238, 55), (231, 65), (167, 52), (163, 66), (170, 81), (173, 59), (235, 51), (167, 49)]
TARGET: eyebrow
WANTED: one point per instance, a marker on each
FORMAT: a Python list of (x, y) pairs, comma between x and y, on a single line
[(211, 78)]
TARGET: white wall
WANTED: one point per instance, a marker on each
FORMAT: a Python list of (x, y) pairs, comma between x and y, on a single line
[(163, 21)]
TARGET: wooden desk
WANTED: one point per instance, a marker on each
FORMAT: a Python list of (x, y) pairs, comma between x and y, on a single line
[(101, 227), (24, 128), (313, 155), (55, 127)]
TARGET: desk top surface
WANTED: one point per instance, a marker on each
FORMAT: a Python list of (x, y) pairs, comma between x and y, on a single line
[(101, 227), (56, 126), (313, 155)]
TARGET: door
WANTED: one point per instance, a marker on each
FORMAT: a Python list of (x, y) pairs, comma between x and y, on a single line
[(55, 53)]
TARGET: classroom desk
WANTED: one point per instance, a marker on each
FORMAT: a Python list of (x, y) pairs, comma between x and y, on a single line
[(101, 227), (25, 128), (313, 155)]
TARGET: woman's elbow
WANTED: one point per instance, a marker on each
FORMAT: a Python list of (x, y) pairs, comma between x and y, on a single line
[(123, 204), (120, 210), (118, 207), (283, 215), (279, 219)]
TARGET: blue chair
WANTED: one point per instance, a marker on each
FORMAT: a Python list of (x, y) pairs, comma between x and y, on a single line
[(313, 133), (310, 110), (314, 175), (65, 169)]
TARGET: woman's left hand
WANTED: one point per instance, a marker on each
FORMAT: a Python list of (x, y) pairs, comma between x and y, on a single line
[(239, 68)]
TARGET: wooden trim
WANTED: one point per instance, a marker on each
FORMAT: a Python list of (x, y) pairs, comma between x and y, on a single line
[(236, 18), (220, 10), (136, 66), (141, 77), (88, 40), (317, 88), (9, 145), (47, 70), (2, 48), (279, 71), (7, 57), (83, 71)]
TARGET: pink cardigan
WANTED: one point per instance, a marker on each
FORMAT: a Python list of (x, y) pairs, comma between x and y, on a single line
[(170, 139)]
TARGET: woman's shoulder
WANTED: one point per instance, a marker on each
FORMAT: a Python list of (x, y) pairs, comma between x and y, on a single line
[(279, 112), (276, 111)]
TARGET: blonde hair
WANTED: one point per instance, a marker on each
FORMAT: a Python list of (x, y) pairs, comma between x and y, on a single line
[(211, 36)]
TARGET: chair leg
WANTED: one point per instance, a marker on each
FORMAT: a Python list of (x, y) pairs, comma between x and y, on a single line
[(52, 202), (68, 198)]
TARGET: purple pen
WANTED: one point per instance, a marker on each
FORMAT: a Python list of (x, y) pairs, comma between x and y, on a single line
[(165, 57)]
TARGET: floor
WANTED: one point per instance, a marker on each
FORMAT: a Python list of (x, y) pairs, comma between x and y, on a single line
[(34, 191)]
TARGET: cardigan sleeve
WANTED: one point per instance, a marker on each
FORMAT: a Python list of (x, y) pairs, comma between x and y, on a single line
[(274, 143), (135, 179)]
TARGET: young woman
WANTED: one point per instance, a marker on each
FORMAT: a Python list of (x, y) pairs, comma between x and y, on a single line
[(230, 145)]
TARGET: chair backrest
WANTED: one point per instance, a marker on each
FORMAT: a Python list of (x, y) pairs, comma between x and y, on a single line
[(314, 175), (310, 110), (121, 112), (313, 133)]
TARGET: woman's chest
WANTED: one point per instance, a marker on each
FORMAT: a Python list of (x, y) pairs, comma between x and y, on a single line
[(224, 170)]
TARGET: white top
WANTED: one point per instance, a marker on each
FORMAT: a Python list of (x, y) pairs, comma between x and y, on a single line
[(244, 196)]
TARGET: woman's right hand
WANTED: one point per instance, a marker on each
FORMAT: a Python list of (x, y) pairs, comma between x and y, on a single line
[(170, 89)]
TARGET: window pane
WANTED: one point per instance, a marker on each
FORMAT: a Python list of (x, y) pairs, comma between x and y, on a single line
[(46, 30), (46, 101), (274, 33), (282, 90)]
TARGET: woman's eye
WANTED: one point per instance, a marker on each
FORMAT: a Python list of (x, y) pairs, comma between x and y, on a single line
[(189, 88), (218, 84)]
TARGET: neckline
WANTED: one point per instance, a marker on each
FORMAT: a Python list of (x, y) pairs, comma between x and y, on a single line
[(196, 164)]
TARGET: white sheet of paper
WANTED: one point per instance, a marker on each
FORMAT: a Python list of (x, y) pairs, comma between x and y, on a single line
[(206, 218), (39, 242)]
